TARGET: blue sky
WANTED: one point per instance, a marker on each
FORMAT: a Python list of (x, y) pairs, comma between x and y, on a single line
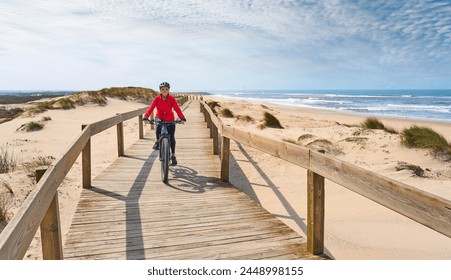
[(207, 45)]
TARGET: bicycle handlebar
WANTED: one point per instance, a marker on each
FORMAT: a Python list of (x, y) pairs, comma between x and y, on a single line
[(159, 121)]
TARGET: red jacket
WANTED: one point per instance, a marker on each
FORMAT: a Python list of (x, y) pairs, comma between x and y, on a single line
[(164, 108)]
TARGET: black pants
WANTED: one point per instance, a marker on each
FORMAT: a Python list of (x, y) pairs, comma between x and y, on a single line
[(171, 132)]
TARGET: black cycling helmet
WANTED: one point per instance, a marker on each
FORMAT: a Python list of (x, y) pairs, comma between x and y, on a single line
[(165, 84)]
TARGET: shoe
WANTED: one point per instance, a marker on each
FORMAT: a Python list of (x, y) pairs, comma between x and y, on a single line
[(173, 161), (156, 146)]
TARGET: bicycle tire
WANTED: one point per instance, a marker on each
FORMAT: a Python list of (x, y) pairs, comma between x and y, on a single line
[(164, 150)]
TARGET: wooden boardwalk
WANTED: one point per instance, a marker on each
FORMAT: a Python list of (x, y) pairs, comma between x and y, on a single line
[(130, 214)]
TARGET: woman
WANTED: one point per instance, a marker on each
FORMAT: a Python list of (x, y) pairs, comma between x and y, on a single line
[(165, 103)]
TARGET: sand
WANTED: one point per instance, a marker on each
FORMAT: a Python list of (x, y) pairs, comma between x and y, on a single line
[(356, 228), (51, 142)]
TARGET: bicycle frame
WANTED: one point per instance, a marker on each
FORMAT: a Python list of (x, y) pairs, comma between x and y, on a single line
[(164, 146)]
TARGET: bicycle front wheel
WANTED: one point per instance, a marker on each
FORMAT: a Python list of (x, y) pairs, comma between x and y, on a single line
[(164, 149)]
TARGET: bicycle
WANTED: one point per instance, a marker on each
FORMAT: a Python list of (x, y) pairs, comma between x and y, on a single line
[(164, 146)]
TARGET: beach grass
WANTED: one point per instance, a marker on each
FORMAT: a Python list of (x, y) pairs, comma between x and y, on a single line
[(8, 162), (213, 105), (226, 113), (5, 185), (269, 120), (66, 103), (417, 170), (40, 161), (98, 97), (6, 200), (10, 113), (5, 204), (425, 138), (375, 123), (305, 137), (33, 126), (356, 139), (245, 118)]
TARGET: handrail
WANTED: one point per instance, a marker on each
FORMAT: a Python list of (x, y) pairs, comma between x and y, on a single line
[(427, 209), (17, 236)]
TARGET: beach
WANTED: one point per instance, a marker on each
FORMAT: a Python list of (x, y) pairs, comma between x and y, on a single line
[(355, 227)]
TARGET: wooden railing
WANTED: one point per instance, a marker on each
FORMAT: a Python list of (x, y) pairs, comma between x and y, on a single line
[(427, 209), (41, 206)]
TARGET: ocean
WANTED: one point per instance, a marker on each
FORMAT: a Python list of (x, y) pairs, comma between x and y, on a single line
[(413, 104)]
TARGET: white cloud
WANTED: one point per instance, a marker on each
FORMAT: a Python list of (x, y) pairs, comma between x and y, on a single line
[(226, 42)]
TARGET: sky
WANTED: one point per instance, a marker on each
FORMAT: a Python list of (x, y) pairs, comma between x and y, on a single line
[(201, 45)]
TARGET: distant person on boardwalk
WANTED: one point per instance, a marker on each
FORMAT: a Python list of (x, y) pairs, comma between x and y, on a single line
[(165, 103)]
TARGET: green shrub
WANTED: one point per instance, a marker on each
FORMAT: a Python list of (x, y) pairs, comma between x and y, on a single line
[(227, 113), (270, 121), (424, 138)]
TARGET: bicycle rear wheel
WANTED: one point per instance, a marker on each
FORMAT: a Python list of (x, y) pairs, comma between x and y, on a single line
[(164, 150)]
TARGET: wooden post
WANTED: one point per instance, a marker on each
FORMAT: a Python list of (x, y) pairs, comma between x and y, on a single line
[(208, 120), (315, 213), (225, 159), (86, 163), (152, 117), (120, 139), (52, 248), (141, 127), (215, 140)]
